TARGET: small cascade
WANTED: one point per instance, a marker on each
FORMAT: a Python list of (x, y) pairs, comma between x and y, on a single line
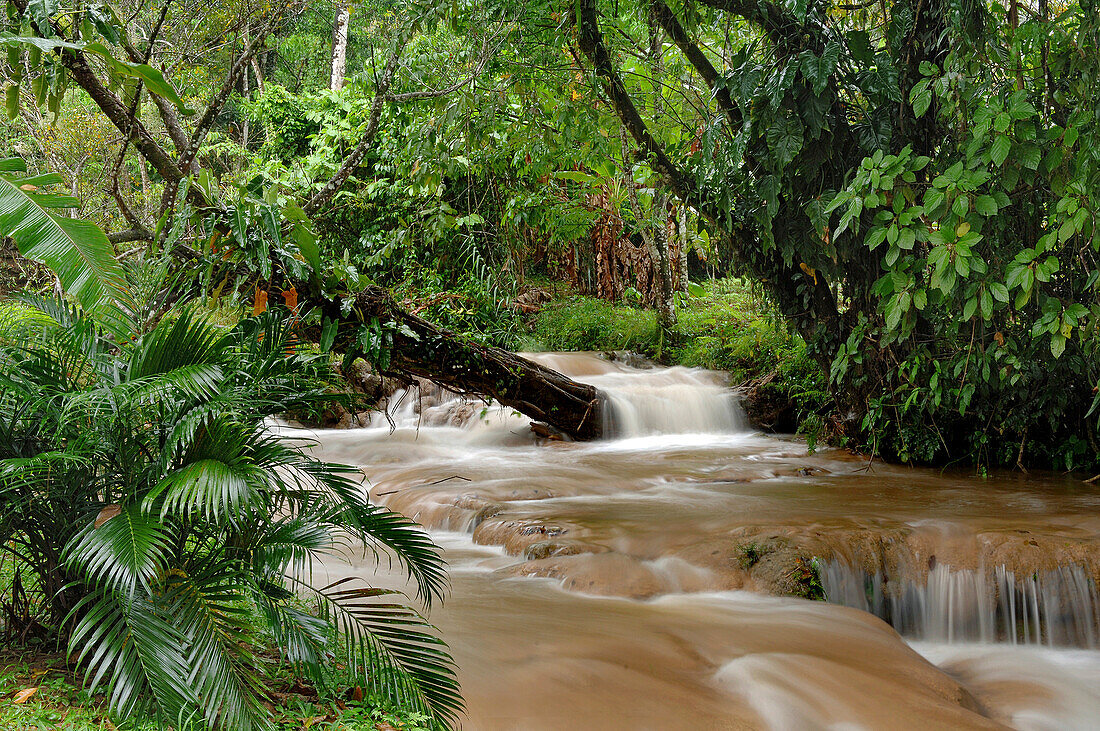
[(640, 401), (649, 401), (673, 401), (1058, 608)]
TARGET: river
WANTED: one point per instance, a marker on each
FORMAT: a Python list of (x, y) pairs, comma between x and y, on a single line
[(632, 583)]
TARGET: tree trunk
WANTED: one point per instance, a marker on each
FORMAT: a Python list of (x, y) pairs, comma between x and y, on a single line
[(682, 232), (657, 243), (339, 48), (420, 348)]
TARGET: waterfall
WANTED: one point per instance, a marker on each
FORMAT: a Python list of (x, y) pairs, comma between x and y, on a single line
[(641, 401), (648, 401), (1057, 608)]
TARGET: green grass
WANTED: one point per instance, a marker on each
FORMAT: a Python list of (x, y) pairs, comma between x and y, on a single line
[(60, 704)]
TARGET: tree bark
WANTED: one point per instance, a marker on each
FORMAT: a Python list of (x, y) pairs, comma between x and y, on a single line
[(339, 63), (420, 348)]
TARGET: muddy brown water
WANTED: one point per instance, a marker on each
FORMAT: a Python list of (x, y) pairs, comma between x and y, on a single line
[(644, 582)]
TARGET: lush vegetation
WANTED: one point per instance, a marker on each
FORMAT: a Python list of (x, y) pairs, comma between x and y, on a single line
[(167, 533), (880, 217), (43, 695)]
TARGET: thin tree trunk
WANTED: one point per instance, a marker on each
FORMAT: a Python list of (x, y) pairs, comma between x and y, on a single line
[(654, 240), (256, 69), (658, 253), (246, 94), (682, 230), (339, 63), (658, 243)]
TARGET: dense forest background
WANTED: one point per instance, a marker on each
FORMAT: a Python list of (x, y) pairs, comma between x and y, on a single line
[(909, 186)]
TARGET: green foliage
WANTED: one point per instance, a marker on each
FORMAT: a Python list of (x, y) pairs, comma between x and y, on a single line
[(152, 78), (586, 323), (60, 704), (77, 251), (914, 185), (988, 296), (169, 531), (805, 576)]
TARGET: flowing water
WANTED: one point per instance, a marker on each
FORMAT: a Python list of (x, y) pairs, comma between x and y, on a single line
[(630, 583)]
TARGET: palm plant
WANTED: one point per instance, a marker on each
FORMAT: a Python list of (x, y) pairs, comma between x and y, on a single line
[(170, 531)]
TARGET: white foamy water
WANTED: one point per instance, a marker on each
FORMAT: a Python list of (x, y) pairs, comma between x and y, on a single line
[(1027, 688), (1058, 607)]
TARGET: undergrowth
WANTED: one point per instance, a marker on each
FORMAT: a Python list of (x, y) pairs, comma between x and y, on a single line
[(40, 692)]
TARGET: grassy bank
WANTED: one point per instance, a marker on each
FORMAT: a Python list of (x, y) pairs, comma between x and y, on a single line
[(38, 692), (728, 328)]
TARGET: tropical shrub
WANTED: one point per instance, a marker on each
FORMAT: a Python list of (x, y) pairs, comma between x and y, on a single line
[(168, 529)]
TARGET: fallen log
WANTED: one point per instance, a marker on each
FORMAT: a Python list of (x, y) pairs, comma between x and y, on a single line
[(420, 348)]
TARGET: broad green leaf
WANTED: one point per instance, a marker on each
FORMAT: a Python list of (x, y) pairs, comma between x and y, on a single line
[(859, 45), (576, 176), (11, 100), (1001, 147), (985, 205), (77, 251), (785, 139), (40, 12), (1030, 156), (1022, 109), (154, 80), (1057, 345)]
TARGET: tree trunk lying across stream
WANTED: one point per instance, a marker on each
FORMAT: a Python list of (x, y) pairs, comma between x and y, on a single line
[(422, 349)]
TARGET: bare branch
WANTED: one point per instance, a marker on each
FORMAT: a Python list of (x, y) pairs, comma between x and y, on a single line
[(167, 110), (671, 25), (238, 67), (592, 45), (483, 59), (123, 237)]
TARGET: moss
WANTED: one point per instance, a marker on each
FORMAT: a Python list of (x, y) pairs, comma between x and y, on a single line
[(750, 554)]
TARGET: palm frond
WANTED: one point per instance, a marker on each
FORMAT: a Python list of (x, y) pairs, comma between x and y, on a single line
[(289, 545), (216, 490), (397, 649), (124, 553), (301, 637), (77, 251), (19, 321), (408, 541), (134, 652), (184, 341), (378, 527), (188, 384), (209, 607)]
